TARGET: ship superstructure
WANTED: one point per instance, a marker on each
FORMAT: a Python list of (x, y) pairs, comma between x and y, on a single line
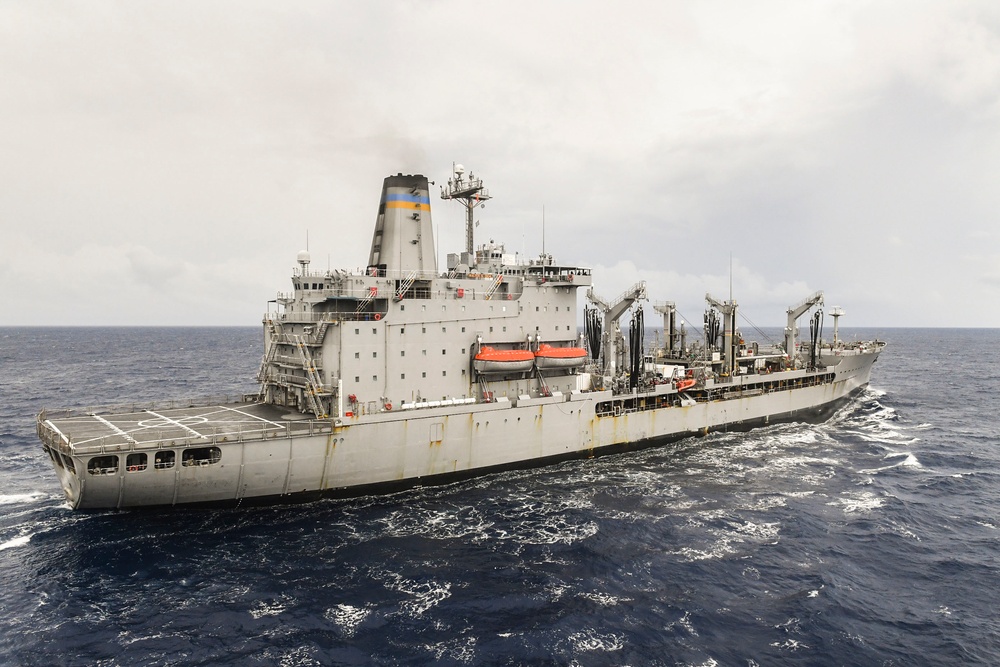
[(403, 373)]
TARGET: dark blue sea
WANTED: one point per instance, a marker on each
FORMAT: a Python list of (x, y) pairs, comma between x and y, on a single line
[(871, 539)]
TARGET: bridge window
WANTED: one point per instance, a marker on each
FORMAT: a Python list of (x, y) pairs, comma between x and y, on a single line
[(69, 464)]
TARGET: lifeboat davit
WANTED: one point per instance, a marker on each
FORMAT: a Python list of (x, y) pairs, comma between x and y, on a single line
[(490, 360), (686, 383), (560, 357)]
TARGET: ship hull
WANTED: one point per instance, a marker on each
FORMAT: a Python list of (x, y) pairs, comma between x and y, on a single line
[(390, 451)]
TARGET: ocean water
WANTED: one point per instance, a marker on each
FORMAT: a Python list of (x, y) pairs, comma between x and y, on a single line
[(871, 539)]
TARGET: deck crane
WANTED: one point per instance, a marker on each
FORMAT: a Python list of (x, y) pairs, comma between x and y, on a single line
[(791, 329), (728, 311), (612, 311)]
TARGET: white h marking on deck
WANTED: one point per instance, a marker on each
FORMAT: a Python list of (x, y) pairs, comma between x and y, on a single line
[(177, 424), (114, 428)]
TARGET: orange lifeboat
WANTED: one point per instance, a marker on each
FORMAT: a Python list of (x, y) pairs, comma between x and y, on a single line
[(686, 383), (560, 357), (490, 360)]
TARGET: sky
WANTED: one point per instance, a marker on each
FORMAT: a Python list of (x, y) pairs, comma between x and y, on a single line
[(163, 163)]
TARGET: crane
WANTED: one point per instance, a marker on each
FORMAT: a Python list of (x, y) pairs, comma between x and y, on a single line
[(791, 330), (612, 311), (728, 311)]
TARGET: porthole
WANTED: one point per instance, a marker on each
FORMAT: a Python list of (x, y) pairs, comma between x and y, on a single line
[(201, 456), (103, 465), (135, 462), (164, 459)]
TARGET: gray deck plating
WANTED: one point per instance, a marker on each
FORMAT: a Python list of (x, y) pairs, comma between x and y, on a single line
[(152, 427)]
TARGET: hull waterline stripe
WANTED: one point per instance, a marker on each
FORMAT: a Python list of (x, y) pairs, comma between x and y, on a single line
[(114, 428)]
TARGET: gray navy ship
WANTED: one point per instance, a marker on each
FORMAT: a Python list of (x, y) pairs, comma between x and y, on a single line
[(404, 374)]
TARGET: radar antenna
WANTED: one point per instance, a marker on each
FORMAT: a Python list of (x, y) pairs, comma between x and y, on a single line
[(471, 193)]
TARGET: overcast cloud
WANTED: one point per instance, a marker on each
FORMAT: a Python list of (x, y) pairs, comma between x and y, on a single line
[(162, 163)]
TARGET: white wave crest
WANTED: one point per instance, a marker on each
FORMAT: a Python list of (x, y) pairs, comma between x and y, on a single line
[(591, 640), (909, 461), (270, 608), (16, 542), (347, 617), (863, 502), (423, 595), (18, 498)]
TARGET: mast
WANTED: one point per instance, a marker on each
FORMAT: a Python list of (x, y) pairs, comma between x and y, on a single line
[(470, 192)]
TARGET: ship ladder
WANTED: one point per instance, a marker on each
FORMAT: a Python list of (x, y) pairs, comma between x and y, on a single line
[(272, 350), (543, 387), (321, 332), (368, 298), (315, 386), (405, 285), (484, 389), (494, 287)]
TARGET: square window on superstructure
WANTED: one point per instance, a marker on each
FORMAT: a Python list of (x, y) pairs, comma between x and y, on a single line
[(374, 355), (444, 329), (536, 309), (402, 307), (423, 307), (402, 353), (357, 355), (374, 378), (357, 331), (423, 352), (444, 373), (402, 330), (444, 351), (505, 328), (463, 373), (423, 329), (402, 376), (463, 329), (423, 374), (374, 331), (491, 329), (357, 378)]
